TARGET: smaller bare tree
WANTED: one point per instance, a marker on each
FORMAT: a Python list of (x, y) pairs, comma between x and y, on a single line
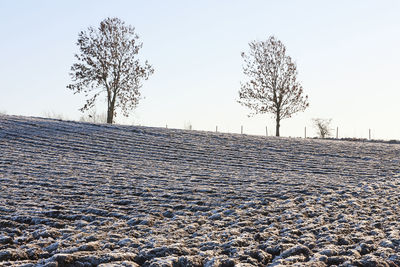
[(323, 127)]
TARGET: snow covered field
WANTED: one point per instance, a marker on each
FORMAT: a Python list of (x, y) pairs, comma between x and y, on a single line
[(79, 194)]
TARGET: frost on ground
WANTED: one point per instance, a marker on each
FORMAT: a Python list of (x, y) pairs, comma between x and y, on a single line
[(78, 194)]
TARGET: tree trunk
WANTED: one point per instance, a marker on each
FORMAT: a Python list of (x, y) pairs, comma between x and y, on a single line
[(278, 121), (110, 114), (110, 111)]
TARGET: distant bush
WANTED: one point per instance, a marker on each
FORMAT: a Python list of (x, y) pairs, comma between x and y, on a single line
[(187, 125), (94, 117), (322, 127), (53, 115)]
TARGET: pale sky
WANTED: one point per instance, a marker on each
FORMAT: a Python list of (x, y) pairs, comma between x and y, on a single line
[(347, 54)]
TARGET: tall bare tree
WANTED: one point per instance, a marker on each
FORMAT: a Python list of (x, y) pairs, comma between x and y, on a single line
[(272, 86), (107, 62)]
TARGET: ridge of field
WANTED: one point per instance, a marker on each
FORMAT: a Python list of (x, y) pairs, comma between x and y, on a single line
[(78, 193)]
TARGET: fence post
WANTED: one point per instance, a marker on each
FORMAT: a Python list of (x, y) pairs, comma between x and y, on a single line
[(369, 134), (305, 131), (337, 132), (266, 130), (241, 129), (166, 126), (216, 129)]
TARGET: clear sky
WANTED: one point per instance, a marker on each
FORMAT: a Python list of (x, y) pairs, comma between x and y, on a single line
[(347, 53)]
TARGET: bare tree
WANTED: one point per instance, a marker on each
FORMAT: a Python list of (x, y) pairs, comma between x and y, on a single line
[(107, 62), (322, 127), (272, 86)]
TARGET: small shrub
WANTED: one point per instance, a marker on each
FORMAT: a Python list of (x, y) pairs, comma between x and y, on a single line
[(53, 115), (187, 125), (94, 117), (322, 126)]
